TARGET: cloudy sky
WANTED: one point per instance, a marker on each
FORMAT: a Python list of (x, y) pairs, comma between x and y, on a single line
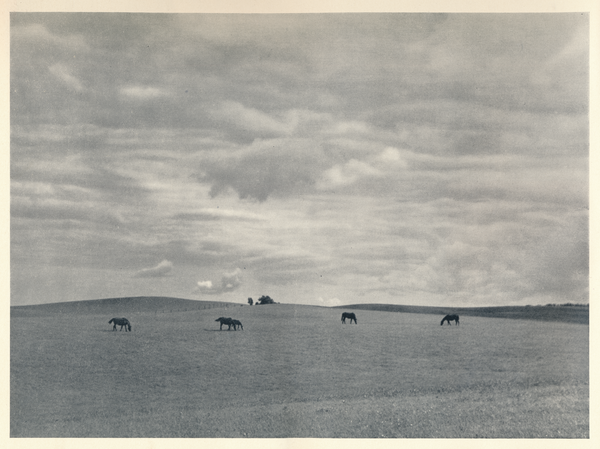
[(422, 159)]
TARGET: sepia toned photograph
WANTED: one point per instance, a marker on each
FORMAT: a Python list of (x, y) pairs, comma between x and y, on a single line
[(312, 225)]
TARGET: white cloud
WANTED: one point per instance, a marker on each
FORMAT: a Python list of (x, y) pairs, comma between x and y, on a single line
[(253, 120), (203, 286), (229, 282), (348, 173), (142, 92), (391, 156), (164, 268), (37, 32)]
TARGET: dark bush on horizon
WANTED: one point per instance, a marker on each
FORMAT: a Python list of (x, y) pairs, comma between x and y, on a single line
[(265, 300)]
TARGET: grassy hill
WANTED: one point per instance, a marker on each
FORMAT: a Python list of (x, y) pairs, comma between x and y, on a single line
[(297, 372), (562, 312), (159, 304), (117, 306)]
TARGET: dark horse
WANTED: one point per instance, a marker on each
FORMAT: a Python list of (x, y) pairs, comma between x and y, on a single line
[(238, 324), (227, 321), (350, 316), (121, 322), (450, 318)]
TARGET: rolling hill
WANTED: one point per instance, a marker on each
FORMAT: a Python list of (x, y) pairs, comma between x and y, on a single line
[(560, 312), (118, 306), (160, 304)]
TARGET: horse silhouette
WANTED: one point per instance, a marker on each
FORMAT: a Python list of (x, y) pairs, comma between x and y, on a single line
[(121, 322), (238, 324), (350, 316), (450, 318), (227, 321)]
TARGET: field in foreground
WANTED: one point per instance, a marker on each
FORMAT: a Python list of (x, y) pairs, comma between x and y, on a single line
[(296, 371)]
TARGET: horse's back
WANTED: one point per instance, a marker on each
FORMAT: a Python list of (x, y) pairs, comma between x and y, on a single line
[(449, 318)]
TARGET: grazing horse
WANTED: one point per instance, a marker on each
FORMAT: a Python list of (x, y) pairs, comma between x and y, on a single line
[(238, 324), (350, 316), (450, 318), (121, 322), (227, 321)]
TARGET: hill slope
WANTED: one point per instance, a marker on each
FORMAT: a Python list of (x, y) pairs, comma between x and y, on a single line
[(161, 304), (563, 313), (118, 306)]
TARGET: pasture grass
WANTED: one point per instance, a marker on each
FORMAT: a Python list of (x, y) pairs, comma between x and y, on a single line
[(296, 371)]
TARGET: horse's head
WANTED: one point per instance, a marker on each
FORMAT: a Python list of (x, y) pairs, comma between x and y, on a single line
[(129, 327)]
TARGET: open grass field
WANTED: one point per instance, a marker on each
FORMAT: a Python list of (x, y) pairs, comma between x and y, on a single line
[(296, 371)]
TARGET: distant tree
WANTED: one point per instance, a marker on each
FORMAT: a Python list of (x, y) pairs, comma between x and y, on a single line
[(250, 301), (265, 300)]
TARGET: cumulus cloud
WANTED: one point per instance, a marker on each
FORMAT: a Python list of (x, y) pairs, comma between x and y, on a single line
[(163, 269), (204, 286), (229, 282), (276, 166), (388, 162), (349, 173)]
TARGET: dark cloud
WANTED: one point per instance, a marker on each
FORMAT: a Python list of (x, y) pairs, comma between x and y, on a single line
[(409, 157), (267, 168)]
